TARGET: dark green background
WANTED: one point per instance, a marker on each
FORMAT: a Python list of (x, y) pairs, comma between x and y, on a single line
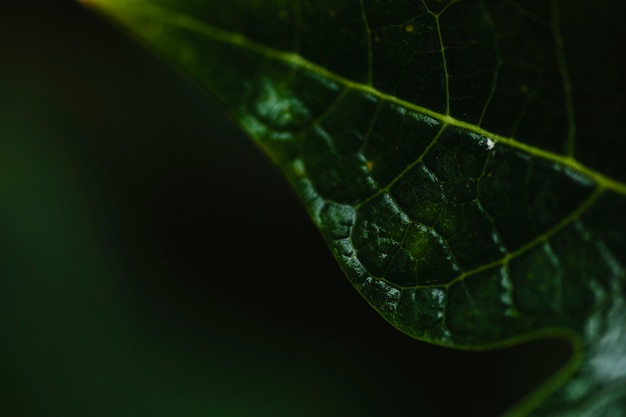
[(154, 263)]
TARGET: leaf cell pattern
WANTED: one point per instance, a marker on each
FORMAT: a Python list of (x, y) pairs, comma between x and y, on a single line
[(444, 150)]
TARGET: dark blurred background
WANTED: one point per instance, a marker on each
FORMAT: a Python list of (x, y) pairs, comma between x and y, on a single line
[(154, 263)]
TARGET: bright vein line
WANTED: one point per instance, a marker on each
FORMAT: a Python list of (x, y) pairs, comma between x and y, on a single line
[(182, 21)]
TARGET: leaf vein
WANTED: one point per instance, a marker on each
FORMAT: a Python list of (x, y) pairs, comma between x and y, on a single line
[(183, 21)]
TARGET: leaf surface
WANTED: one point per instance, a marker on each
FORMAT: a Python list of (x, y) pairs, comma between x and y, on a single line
[(462, 159)]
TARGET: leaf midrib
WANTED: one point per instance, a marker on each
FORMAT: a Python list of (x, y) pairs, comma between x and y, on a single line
[(186, 22)]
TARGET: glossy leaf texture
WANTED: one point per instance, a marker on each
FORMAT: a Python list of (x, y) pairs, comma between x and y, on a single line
[(462, 159)]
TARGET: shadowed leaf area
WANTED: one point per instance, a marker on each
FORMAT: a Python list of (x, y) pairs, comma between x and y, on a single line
[(462, 159)]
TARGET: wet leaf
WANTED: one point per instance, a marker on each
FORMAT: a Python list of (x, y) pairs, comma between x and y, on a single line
[(462, 159)]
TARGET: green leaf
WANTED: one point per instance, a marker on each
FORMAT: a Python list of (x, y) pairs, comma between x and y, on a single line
[(462, 159)]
